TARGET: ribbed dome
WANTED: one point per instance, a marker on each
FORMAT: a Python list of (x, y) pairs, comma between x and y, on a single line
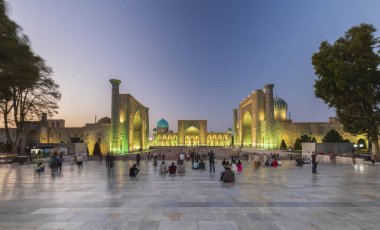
[(279, 103), (104, 120), (162, 124)]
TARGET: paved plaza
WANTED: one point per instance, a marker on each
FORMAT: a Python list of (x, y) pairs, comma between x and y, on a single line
[(287, 197)]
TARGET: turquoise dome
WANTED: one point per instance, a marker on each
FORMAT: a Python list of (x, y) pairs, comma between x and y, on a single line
[(279, 103), (162, 124)]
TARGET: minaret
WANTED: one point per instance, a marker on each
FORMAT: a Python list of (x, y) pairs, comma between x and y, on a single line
[(235, 127), (115, 117), (269, 116)]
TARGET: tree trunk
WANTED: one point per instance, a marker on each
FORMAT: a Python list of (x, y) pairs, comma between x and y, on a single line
[(375, 147)]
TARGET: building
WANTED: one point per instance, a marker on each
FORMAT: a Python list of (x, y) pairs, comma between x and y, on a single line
[(127, 130), (190, 133), (261, 122)]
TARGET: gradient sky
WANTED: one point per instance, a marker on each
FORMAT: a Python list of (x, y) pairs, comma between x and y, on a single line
[(186, 59)]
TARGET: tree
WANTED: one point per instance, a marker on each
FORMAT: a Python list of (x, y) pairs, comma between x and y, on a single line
[(332, 136), (97, 149), (26, 90), (348, 79), (303, 139), (283, 145)]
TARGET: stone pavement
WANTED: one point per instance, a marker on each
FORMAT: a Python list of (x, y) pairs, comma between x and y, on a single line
[(287, 197)]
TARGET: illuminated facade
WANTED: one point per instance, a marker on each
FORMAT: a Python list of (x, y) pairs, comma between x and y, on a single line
[(261, 122), (190, 133), (127, 130)]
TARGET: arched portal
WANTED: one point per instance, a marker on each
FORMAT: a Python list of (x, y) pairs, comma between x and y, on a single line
[(247, 129), (192, 136), (137, 131)]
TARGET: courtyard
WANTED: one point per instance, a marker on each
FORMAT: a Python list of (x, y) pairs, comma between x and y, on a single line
[(287, 197)]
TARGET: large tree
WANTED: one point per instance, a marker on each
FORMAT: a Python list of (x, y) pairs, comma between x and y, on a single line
[(333, 136), (27, 88), (348, 79)]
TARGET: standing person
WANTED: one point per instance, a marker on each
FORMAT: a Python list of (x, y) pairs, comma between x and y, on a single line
[(100, 158), (110, 164), (163, 157), (314, 162), (133, 171), (138, 158), (80, 160), (373, 159), (155, 160), (149, 156), (181, 158), (211, 159), (60, 162), (240, 166)]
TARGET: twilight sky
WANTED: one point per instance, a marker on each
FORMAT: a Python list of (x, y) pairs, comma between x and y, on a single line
[(186, 59)]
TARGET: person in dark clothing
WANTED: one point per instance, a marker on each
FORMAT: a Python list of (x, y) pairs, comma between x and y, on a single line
[(172, 169), (138, 158), (314, 162), (60, 162), (107, 159), (133, 171), (202, 165), (211, 159)]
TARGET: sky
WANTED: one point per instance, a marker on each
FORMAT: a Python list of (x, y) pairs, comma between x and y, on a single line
[(186, 59)]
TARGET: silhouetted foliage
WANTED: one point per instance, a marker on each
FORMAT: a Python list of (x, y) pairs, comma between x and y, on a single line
[(283, 145), (97, 150)]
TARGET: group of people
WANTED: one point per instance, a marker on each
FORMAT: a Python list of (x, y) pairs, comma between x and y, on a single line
[(272, 161), (172, 169)]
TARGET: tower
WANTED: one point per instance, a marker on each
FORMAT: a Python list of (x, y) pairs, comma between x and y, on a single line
[(269, 117), (115, 117)]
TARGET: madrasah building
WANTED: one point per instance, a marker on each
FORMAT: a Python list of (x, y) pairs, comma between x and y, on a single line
[(260, 122)]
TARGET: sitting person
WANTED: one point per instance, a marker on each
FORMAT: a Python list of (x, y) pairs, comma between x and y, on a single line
[(299, 162), (274, 163), (181, 169), (40, 167), (267, 163), (234, 167), (239, 166), (195, 165), (202, 165), (172, 169), (163, 168), (224, 162), (228, 176), (133, 171)]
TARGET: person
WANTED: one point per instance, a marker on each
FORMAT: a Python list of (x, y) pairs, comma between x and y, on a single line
[(224, 162), (107, 159), (172, 169), (133, 171), (202, 165), (181, 158), (331, 157), (39, 168), (155, 159), (100, 158), (181, 169), (354, 158), (80, 160), (373, 159), (110, 164), (138, 158), (274, 163), (163, 157), (60, 162), (163, 168), (211, 159), (239, 166), (314, 162), (234, 167), (195, 165), (228, 175), (53, 162)]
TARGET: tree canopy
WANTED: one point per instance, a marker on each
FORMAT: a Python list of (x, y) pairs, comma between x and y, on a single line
[(348, 79), (303, 139), (26, 89), (333, 136)]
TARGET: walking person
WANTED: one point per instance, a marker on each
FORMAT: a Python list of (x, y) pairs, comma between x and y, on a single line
[(110, 165), (373, 159), (211, 159)]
